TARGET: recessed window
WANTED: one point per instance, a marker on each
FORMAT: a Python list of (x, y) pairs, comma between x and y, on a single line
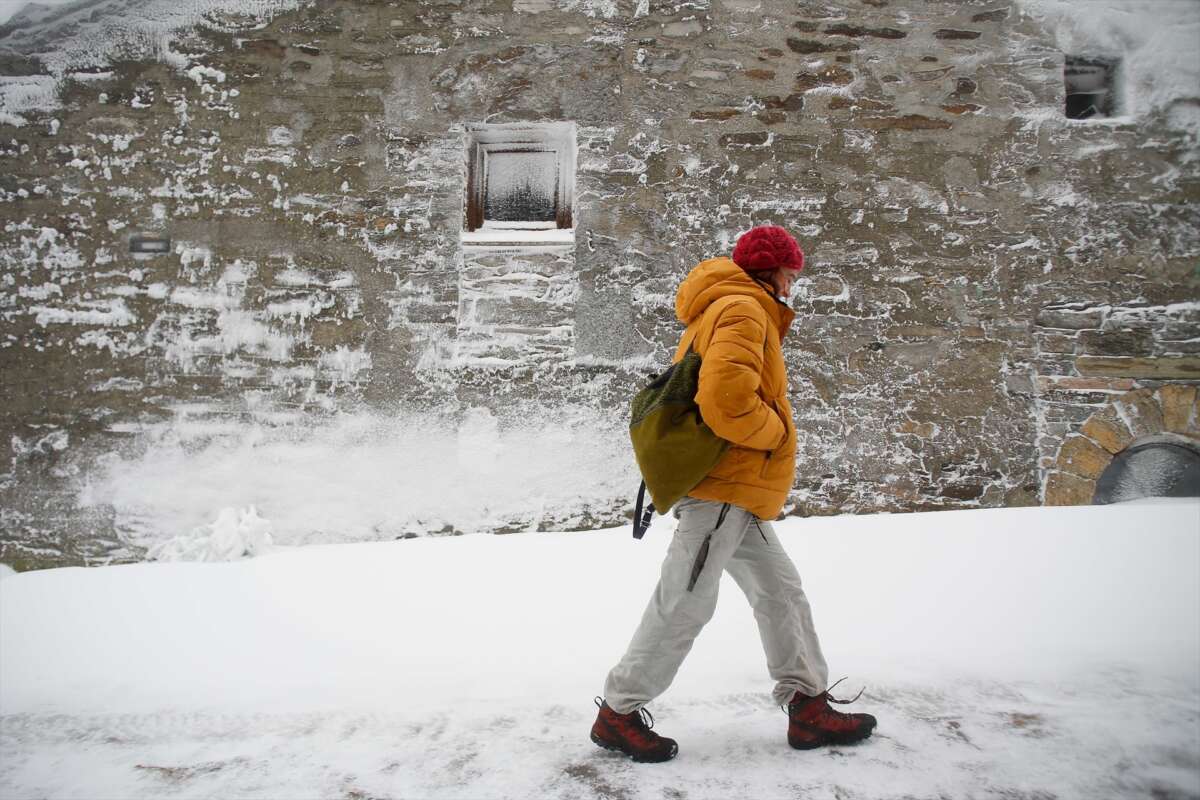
[(520, 185), (1091, 87)]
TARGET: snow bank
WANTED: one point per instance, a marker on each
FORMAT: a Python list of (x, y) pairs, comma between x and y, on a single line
[(1155, 41), (366, 476), (233, 534), (1011, 593)]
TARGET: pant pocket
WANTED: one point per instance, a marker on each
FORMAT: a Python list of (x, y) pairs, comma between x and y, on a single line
[(698, 564), (702, 554)]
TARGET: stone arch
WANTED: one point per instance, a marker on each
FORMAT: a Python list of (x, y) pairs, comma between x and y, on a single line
[(1133, 417)]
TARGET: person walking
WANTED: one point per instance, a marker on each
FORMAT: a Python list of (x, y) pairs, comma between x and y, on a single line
[(736, 318)]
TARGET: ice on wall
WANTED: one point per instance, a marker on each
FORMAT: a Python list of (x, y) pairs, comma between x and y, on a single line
[(87, 34), (1155, 41)]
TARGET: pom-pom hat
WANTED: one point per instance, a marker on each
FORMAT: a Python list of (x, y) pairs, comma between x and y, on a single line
[(767, 247)]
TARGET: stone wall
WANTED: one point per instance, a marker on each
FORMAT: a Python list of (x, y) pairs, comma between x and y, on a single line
[(982, 272)]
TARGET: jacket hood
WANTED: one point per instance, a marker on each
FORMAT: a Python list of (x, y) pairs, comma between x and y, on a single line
[(715, 278)]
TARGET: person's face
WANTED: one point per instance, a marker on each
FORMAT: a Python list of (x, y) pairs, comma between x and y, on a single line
[(782, 279)]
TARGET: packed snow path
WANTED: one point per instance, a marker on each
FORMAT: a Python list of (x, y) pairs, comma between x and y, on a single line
[(1023, 653)]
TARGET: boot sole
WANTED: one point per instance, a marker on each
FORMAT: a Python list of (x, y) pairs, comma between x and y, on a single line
[(641, 759), (833, 739)]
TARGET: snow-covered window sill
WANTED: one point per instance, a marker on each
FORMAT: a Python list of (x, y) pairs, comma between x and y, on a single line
[(515, 239)]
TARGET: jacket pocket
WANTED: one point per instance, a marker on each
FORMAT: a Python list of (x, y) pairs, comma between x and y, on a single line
[(774, 461), (766, 465)]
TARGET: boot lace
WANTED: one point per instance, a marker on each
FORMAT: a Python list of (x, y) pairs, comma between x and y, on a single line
[(641, 719), (831, 699), (828, 698)]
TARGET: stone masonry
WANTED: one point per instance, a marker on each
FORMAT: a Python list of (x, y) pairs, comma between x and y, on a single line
[(985, 276)]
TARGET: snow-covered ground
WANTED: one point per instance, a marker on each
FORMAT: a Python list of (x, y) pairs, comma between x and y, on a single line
[(1015, 653)]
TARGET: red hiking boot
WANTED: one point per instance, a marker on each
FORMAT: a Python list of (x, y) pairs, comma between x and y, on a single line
[(630, 734), (812, 723)]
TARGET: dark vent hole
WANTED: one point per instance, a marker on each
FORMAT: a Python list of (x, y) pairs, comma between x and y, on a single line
[(1091, 87)]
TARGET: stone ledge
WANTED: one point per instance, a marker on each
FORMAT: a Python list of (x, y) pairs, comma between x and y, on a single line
[(962, 108), (951, 34), (991, 16), (828, 76), (808, 46), (1046, 383), (1166, 368), (843, 29), (1068, 318), (909, 122)]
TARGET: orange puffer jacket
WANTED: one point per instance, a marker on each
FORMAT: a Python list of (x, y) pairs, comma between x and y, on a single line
[(736, 326)]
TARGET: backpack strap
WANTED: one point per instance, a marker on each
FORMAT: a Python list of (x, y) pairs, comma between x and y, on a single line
[(689, 336), (641, 519)]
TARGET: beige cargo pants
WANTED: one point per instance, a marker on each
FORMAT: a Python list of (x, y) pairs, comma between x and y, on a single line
[(748, 549)]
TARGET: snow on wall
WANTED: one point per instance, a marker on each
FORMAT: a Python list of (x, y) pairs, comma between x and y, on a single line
[(89, 34), (519, 310), (1155, 40)]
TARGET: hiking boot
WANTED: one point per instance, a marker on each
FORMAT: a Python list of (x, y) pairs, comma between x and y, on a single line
[(630, 734), (812, 723)]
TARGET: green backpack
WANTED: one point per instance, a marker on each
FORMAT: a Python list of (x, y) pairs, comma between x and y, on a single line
[(673, 446)]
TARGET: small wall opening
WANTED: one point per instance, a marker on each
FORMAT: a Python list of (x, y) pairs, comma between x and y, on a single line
[(144, 245), (520, 185), (1091, 87), (1157, 467)]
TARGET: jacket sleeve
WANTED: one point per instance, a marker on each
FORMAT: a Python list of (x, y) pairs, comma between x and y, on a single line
[(730, 375)]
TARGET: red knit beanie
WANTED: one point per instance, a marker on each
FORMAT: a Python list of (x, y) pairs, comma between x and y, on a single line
[(767, 247)]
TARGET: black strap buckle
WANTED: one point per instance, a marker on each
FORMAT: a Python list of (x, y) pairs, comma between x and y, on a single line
[(642, 518)]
